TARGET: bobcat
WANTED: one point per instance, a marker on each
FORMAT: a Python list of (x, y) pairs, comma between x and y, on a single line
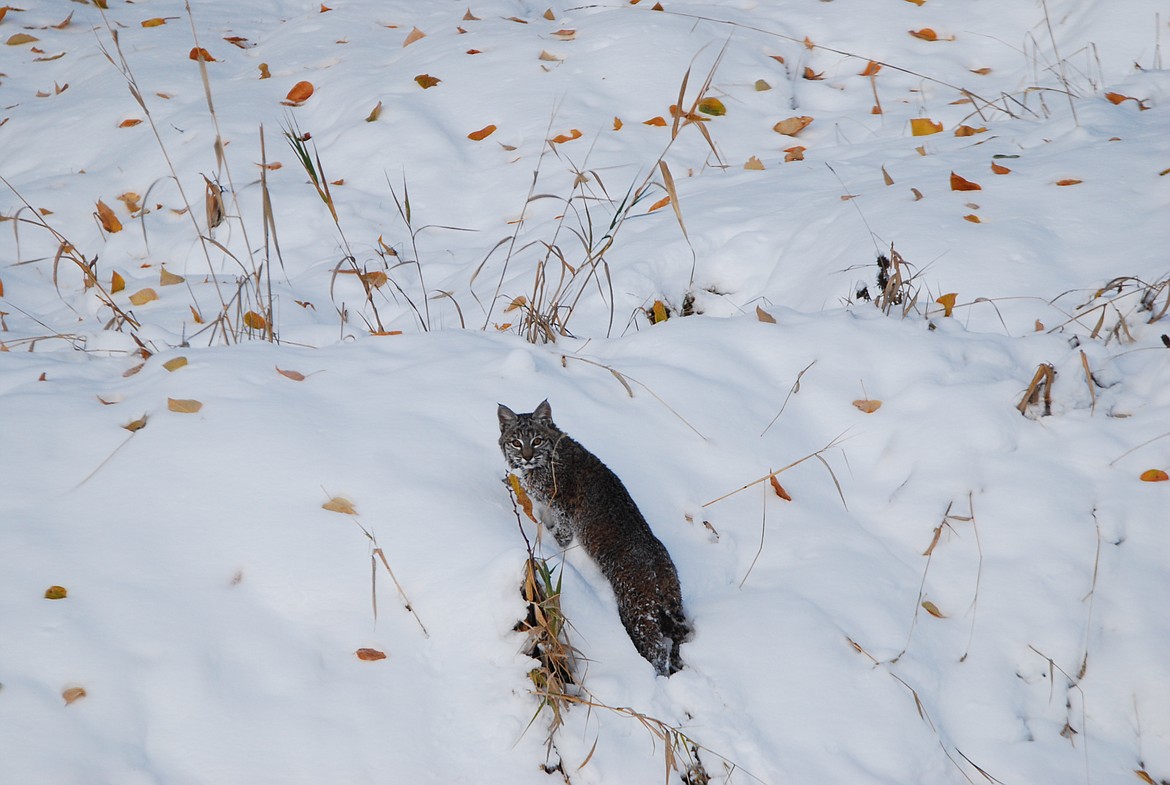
[(575, 494)]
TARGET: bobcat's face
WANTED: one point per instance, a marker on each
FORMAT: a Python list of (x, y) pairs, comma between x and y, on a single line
[(526, 439)]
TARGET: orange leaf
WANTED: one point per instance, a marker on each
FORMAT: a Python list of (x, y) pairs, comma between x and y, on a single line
[(961, 184), (196, 315), (72, 694), (792, 126), (255, 321), (369, 655), (794, 154), (1155, 475), (413, 36), (109, 221), (117, 283), (924, 126), (240, 41), (754, 163), (482, 133), (764, 316), (947, 301), (296, 376), (659, 204), (655, 121), (871, 69), (617, 124), (518, 489), (199, 53), (562, 138), (156, 22), (779, 489), (973, 219), (325, 8), (426, 80), (56, 593), (812, 75), (997, 169), (966, 130), (300, 92), (868, 406), (926, 34), (916, 2), (130, 123), (1069, 182), (566, 34)]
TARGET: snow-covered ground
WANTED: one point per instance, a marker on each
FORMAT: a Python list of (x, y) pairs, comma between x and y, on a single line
[(956, 592)]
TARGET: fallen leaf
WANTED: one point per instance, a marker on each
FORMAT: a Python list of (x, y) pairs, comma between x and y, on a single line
[(926, 34), (1118, 98), (713, 107), (167, 278), (972, 218), (966, 130), (764, 316), (426, 80), (470, 17), (779, 489), (617, 124), (1069, 182), (72, 694), (962, 184), (566, 35), (296, 376), (924, 126), (375, 114), (199, 53), (762, 86), (998, 169), (184, 405), (1155, 475), (947, 301), (143, 296), (792, 126), (136, 425), (871, 69), (482, 133), (21, 38), (240, 41), (129, 123), (659, 204), (917, 194), (754, 164), (131, 371), (549, 57), (916, 2), (264, 72), (117, 283), (56, 593), (175, 363), (413, 36), (370, 655), (195, 315), (868, 406), (794, 154), (659, 121), (300, 92), (932, 609), (255, 321), (108, 220), (562, 138), (1144, 776), (886, 176), (340, 504), (155, 22), (658, 312)]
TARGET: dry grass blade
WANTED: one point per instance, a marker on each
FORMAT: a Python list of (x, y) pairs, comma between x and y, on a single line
[(1043, 379), (622, 377), (795, 388), (380, 555), (767, 477)]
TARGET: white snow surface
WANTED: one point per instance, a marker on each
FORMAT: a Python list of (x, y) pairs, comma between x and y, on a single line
[(956, 592)]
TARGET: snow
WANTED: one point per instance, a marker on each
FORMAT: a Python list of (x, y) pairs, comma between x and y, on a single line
[(214, 607)]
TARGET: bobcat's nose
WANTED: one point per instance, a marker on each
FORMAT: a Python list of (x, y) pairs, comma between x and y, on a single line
[(526, 452)]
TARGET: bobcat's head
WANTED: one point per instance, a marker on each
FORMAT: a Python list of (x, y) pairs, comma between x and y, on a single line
[(527, 439)]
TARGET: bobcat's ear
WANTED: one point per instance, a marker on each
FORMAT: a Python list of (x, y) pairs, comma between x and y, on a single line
[(506, 415), (543, 412)]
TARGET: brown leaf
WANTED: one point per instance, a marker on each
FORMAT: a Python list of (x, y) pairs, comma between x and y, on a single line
[(779, 489), (886, 177), (340, 504), (868, 406), (167, 278), (426, 80), (240, 41), (300, 92), (962, 184), (370, 655), (136, 425), (108, 220), (792, 126), (21, 38), (762, 86), (1145, 777), (199, 53), (143, 296), (73, 694), (764, 316), (754, 163), (296, 376), (482, 133), (917, 194), (413, 36), (131, 371), (566, 35), (375, 114), (794, 154), (264, 72), (470, 17), (56, 593), (184, 405), (972, 218)]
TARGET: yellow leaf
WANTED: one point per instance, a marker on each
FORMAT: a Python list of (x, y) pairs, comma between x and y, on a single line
[(947, 301), (155, 22), (255, 321), (108, 220), (521, 496), (924, 126), (184, 405), (413, 36), (932, 609), (1154, 475), (73, 694), (117, 283), (340, 504), (762, 86), (658, 312), (375, 114), (426, 80), (136, 425), (754, 164), (143, 296), (370, 655), (868, 406), (518, 302), (713, 107), (21, 38), (886, 177), (167, 278), (962, 184), (482, 133), (792, 126), (659, 204), (175, 363), (56, 593), (296, 376)]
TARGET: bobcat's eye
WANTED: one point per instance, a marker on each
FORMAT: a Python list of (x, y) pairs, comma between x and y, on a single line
[(517, 443), (537, 441)]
